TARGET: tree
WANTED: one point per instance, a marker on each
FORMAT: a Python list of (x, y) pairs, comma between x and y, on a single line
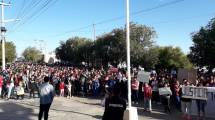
[(32, 54), (142, 39), (10, 52), (150, 58), (75, 50), (170, 57), (110, 47), (203, 50)]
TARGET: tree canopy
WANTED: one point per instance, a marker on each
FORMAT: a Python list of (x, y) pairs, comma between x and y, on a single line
[(172, 57), (74, 50), (10, 52), (203, 49), (32, 54), (108, 48), (111, 48)]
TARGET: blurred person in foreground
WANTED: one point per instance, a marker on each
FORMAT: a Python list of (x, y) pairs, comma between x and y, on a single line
[(46, 98), (114, 106)]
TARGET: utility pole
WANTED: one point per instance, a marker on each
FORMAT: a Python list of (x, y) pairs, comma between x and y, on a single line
[(3, 30), (131, 112), (94, 33)]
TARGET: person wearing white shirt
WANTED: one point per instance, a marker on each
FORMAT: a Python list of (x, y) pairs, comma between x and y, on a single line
[(46, 98)]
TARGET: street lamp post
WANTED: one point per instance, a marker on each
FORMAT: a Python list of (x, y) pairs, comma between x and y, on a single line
[(131, 112), (3, 30)]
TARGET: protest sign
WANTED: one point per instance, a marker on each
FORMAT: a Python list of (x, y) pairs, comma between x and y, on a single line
[(165, 91), (143, 76), (194, 92), (187, 74)]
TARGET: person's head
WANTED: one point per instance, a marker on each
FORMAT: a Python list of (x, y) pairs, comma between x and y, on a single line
[(165, 85), (177, 82), (146, 84), (46, 79)]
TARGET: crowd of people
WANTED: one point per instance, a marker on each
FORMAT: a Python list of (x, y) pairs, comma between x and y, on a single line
[(21, 78)]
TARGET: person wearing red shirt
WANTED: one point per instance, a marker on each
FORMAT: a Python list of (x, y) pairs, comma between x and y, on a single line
[(147, 90), (135, 89), (62, 85), (177, 95), (1, 83)]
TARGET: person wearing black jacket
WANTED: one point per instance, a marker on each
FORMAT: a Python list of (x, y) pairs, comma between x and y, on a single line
[(114, 106)]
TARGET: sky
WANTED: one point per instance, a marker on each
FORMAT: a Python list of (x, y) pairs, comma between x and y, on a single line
[(173, 20)]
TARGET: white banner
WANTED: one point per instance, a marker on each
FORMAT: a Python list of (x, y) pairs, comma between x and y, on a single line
[(194, 92), (165, 91)]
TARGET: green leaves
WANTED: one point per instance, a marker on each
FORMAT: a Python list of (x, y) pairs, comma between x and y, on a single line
[(10, 52), (203, 49), (32, 54), (75, 50), (172, 57), (111, 48)]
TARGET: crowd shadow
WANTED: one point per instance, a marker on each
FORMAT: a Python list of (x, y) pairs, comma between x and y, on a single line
[(13, 111)]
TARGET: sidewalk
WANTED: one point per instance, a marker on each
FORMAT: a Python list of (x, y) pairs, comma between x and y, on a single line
[(75, 108)]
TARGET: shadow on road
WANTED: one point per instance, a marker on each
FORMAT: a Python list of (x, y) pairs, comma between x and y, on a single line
[(9, 111), (69, 111)]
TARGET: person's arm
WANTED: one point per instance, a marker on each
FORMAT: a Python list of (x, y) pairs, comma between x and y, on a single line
[(52, 92)]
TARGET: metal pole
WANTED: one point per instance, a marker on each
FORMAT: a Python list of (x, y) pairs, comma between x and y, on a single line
[(94, 33), (128, 53), (3, 30), (2, 36)]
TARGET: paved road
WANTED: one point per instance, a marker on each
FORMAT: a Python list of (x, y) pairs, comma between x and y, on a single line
[(70, 109)]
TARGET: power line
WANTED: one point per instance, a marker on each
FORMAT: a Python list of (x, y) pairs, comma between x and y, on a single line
[(37, 12), (122, 17)]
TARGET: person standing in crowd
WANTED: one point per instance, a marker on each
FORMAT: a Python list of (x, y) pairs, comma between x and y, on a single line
[(46, 98), (10, 86), (176, 91), (20, 91), (114, 106), (155, 93), (135, 90), (147, 90), (1, 84), (62, 86), (69, 88), (95, 86), (201, 106), (186, 104), (32, 87), (166, 99)]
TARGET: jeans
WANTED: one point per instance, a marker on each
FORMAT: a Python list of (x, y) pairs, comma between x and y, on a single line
[(201, 105), (10, 90), (186, 107), (95, 91), (177, 102), (147, 104), (44, 108), (135, 95)]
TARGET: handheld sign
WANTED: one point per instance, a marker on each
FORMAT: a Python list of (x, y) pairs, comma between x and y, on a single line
[(143, 76), (165, 91), (194, 92)]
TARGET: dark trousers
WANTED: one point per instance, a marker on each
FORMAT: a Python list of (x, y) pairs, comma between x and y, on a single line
[(134, 95), (44, 108)]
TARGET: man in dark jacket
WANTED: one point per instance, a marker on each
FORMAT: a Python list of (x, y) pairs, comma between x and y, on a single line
[(114, 106)]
